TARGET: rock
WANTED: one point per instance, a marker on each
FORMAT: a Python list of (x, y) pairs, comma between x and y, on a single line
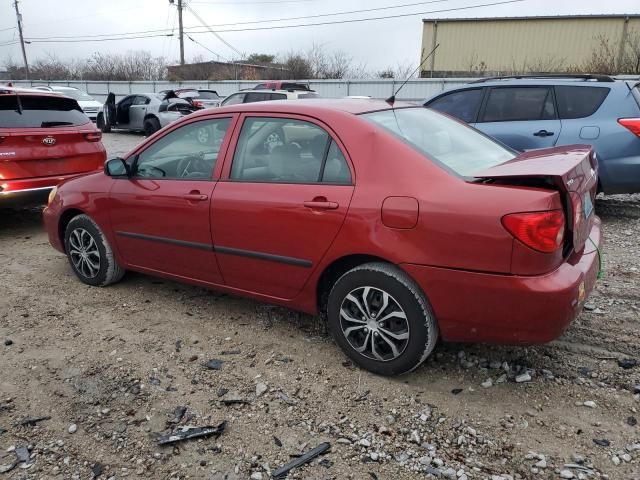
[(261, 389), (73, 428), (589, 403), (626, 457), (256, 476), (449, 473), (365, 443), (344, 441), (456, 391), (501, 379), (488, 383), (589, 307), (627, 363), (426, 460), (541, 464), (577, 458), (374, 456), (615, 460), (414, 437), (214, 364), (566, 474), (523, 377), (603, 442), (8, 342), (632, 421)]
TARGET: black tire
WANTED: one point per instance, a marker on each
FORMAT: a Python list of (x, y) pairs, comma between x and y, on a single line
[(99, 267), (151, 126), (102, 125), (402, 292)]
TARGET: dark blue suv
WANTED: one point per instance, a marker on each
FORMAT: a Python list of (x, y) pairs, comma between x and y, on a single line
[(529, 112)]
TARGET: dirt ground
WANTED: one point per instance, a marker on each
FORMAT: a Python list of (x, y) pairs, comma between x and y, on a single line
[(113, 365)]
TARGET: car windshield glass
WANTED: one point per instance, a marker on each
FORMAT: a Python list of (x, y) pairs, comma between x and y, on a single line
[(458, 147), (207, 95), (77, 94), (39, 111)]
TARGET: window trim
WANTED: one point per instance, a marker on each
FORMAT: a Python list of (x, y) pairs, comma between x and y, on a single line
[(132, 159), (485, 100), (233, 144), (479, 109)]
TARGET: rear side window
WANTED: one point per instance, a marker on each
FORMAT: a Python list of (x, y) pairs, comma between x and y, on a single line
[(234, 99), (579, 102), (32, 111), (309, 95), (463, 105), (278, 96), (517, 104), (257, 97)]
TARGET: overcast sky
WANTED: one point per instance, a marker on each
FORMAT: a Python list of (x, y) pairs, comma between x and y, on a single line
[(377, 44)]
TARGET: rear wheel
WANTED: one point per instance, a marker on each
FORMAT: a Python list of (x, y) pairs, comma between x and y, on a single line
[(101, 124), (381, 319), (90, 254), (151, 126)]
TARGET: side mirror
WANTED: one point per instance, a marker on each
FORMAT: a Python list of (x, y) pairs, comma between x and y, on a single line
[(117, 167)]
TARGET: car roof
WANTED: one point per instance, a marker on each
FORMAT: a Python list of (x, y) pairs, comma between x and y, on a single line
[(309, 106), (27, 91)]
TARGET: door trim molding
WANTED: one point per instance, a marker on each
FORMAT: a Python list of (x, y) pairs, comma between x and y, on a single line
[(298, 262)]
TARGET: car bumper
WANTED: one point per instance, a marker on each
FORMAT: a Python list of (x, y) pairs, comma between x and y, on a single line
[(51, 217), (30, 191), (510, 309), (620, 175)]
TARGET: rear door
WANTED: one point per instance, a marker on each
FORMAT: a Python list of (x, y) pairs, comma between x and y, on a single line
[(522, 117), (45, 136), (137, 111), (277, 210), (160, 215)]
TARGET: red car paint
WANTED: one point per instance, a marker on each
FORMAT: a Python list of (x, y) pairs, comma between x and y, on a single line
[(445, 231), (35, 159)]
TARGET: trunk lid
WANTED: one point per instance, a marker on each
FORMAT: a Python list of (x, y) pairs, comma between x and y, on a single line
[(572, 169)]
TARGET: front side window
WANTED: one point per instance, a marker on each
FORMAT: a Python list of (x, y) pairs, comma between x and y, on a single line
[(234, 99), (462, 149), (511, 104), (463, 105), (283, 150), (189, 152), (141, 100)]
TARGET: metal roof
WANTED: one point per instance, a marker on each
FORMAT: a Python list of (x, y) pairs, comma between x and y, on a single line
[(544, 17)]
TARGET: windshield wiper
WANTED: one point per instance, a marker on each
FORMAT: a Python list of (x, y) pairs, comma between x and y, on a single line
[(54, 124)]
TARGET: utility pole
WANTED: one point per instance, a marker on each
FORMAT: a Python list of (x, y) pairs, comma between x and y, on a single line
[(181, 31), (24, 53)]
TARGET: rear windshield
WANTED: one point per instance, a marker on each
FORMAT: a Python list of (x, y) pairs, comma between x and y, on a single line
[(460, 148), (207, 95), (29, 111)]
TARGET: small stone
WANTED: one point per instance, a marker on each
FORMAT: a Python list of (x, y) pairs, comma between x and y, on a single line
[(374, 456), (501, 379), (73, 428), (627, 363), (8, 342), (365, 443), (603, 442), (449, 473), (615, 460), (577, 458), (632, 421), (589, 403), (256, 476), (426, 460), (456, 391), (344, 441), (261, 389), (414, 437), (589, 307), (523, 377), (626, 457), (541, 464), (566, 474), (488, 383), (214, 364)]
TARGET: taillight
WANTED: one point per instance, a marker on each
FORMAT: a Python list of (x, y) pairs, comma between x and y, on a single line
[(93, 136), (542, 231), (631, 124), (197, 104)]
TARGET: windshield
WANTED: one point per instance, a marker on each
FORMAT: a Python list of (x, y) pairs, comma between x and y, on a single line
[(77, 94), (31, 111), (206, 94), (458, 147)]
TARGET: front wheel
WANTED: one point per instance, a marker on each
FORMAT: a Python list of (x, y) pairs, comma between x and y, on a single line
[(381, 319), (151, 126), (90, 254)]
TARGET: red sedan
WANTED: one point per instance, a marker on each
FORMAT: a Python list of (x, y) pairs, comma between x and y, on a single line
[(401, 225), (44, 139)]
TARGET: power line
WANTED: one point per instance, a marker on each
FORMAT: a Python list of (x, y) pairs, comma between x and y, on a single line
[(76, 39), (8, 28), (212, 31), (206, 48), (238, 4)]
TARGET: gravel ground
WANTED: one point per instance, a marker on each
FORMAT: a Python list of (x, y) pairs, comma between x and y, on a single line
[(113, 369)]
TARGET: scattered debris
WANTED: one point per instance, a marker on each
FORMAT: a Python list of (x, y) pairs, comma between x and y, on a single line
[(222, 391), (178, 414), (301, 460), (523, 377), (627, 363), (214, 364), (603, 442), (97, 470), (632, 421), (31, 421), (456, 391), (73, 428), (22, 454), (8, 342), (261, 389), (277, 441), (187, 433)]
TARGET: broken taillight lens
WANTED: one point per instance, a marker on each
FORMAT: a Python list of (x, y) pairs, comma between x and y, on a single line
[(631, 124), (542, 231)]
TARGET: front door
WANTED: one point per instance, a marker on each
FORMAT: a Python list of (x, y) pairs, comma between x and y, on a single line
[(137, 111), (160, 215), (523, 118), (122, 111), (280, 205)]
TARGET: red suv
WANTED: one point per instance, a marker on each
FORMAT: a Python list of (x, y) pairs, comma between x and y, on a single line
[(44, 139), (399, 223)]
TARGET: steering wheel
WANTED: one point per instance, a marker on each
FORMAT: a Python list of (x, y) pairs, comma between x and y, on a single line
[(191, 164)]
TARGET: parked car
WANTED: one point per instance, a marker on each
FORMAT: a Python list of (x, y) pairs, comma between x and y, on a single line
[(44, 138), (146, 112), (253, 95), (199, 98), (89, 105), (283, 85), (399, 224), (538, 112)]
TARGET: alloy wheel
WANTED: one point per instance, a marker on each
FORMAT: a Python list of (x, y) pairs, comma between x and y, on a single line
[(84, 253), (374, 323)]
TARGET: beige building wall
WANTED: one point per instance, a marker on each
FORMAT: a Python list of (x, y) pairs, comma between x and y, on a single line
[(523, 44)]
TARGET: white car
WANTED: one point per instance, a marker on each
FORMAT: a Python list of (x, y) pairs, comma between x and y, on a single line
[(254, 95), (88, 104)]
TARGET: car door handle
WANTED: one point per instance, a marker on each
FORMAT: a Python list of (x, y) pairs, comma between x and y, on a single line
[(317, 204), (543, 133), (195, 197)]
